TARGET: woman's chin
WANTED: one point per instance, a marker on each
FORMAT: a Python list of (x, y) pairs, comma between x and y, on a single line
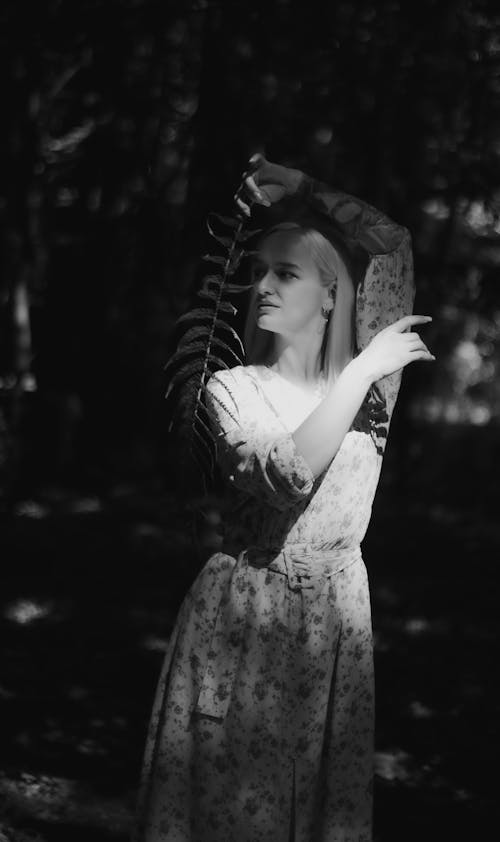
[(266, 323), (266, 318)]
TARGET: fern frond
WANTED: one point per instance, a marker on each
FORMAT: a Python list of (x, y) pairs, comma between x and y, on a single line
[(220, 324), (209, 343), (214, 258), (198, 347), (225, 306), (188, 369), (217, 399)]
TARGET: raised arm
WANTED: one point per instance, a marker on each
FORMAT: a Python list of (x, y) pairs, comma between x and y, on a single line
[(359, 223), (386, 292), (319, 437)]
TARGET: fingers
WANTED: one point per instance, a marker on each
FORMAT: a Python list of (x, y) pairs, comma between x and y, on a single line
[(248, 194), (242, 206), (412, 336), (254, 164), (254, 191), (417, 345), (408, 321), (421, 353)]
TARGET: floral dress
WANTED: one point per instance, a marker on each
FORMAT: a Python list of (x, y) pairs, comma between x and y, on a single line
[(262, 724)]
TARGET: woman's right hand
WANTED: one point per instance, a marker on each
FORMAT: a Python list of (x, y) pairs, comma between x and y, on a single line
[(393, 348)]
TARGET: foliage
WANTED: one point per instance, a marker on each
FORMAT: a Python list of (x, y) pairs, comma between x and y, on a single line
[(209, 343)]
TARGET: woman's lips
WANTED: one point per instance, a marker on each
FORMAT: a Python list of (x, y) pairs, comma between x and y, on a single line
[(265, 304)]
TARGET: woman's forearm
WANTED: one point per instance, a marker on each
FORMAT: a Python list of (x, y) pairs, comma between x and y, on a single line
[(356, 219), (319, 437)]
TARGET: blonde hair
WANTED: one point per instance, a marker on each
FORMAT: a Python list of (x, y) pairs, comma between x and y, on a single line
[(338, 347)]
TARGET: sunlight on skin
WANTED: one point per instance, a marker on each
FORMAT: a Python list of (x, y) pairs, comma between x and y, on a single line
[(290, 296)]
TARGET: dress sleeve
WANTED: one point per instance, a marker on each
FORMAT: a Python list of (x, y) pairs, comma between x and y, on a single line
[(386, 292), (360, 224), (250, 458)]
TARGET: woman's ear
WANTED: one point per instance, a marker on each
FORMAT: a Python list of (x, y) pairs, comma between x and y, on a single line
[(327, 306), (332, 294)]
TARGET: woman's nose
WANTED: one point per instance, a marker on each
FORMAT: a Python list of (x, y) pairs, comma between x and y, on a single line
[(264, 283)]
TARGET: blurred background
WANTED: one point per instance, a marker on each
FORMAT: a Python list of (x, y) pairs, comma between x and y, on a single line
[(125, 123)]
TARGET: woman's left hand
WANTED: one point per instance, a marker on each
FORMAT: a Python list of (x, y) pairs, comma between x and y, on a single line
[(265, 183), (248, 192)]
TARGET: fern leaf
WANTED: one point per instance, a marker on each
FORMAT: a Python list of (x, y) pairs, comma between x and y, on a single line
[(204, 426), (207, 439), (242, 236), (204, 329), (212, 281), (226, 306), (236, 288), (199, 346), (226, 220), (193, 367), (224, 241), (197, 313), (215, 258), (217, 399)]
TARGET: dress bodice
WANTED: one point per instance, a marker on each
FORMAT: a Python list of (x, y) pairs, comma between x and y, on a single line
[(276, 500)]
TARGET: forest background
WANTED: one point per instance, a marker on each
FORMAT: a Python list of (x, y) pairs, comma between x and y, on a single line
[(125, 123)]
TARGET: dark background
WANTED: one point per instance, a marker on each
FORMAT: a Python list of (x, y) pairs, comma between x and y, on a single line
[(125, 122)]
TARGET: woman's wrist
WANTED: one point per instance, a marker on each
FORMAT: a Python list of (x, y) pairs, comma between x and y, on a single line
[(362, 369)]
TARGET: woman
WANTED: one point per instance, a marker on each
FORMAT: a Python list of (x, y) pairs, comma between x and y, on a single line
[(262, 727)]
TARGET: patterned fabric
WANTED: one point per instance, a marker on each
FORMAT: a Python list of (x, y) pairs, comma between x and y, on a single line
[(294, 748), (262, 723)]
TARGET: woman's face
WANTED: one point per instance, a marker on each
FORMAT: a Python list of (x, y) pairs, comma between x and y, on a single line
[(288, 286)]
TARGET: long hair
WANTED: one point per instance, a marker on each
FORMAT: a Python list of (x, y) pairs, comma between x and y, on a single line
[(338, 346)]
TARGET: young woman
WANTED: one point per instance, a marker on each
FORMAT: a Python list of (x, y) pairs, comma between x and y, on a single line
[(262, 727)]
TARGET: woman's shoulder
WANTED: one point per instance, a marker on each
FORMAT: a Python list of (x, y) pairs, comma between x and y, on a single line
[(236, 380), (232, 392), (230, 376)]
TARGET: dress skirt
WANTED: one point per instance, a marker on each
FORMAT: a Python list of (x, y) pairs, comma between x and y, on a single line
[(262, 724)]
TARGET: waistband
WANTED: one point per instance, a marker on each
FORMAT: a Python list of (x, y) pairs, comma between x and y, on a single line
[(304, 564)]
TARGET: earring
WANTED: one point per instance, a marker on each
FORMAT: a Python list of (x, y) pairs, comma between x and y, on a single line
[(325, 312)]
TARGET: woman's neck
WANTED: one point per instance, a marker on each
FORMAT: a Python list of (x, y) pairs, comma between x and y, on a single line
[(300, 364)]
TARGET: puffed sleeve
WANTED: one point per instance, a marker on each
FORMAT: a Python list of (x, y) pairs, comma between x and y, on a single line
[(387, 291), (385, 294), (250, 458)]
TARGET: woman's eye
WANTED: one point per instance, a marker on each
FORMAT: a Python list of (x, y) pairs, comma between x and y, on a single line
[(257, 274), (284, 275)]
